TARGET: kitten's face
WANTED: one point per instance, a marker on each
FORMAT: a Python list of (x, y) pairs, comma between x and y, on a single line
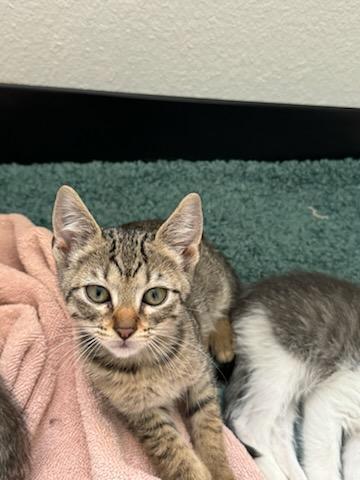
[(125, 288), (127, 298)]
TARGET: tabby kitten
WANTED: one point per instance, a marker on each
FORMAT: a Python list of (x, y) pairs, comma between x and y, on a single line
[(14, 444), (298, 338), (147, 296)]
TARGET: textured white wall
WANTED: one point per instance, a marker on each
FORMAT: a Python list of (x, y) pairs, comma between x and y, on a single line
[(293, 51)]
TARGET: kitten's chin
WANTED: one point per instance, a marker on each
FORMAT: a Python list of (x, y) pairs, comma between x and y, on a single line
[(120, 349)]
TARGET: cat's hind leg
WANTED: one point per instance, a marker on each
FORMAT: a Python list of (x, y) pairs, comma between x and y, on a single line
[(268, 428), (333, 406), (283, 444), (254, 428)]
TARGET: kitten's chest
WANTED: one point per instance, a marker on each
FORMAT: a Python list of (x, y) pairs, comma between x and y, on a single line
[(136, 392)]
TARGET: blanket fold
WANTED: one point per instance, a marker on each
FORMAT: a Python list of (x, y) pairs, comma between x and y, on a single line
[(71, 436)]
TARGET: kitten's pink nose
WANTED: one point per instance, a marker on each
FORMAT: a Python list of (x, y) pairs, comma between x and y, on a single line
[(125, 333)]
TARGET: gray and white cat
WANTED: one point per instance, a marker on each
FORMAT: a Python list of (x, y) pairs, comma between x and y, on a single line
[(14, 443), (298, 340)]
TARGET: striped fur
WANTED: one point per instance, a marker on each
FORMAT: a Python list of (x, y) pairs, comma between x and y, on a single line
[(164, 362)]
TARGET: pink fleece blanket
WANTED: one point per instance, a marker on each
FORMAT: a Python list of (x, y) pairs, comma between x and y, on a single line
[(71, 437)]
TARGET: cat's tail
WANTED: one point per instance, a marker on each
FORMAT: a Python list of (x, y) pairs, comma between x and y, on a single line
[(14, 439)]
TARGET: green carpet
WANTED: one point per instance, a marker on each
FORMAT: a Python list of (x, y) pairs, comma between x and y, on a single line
[(257, 213)]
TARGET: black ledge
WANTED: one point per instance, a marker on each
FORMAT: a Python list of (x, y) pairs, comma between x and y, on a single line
[(52, 124)]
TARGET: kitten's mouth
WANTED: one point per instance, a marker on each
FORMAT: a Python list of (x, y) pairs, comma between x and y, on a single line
[(123, 348)]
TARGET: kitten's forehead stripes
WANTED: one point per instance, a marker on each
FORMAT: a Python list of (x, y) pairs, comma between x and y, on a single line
[(115, 261), (139, 265), (127, 245), (110, 233), (142, 247)]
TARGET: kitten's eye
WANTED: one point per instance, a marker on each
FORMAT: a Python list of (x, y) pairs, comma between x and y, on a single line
[(155, 296), (97, 294)]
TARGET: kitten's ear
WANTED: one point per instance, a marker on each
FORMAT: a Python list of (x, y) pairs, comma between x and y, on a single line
[(73, 224), (182, 231)]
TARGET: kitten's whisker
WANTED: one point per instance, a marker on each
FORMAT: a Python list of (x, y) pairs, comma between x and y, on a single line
[(164, 355), (68, 355), (77, 349), (68, 341), (171, 347), (198, 348), (72, 339), (208, 357), (205, 353), (84, 355)]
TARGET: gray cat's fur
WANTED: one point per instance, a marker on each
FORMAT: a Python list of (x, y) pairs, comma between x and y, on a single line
[(298, 339), (14, 444)]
